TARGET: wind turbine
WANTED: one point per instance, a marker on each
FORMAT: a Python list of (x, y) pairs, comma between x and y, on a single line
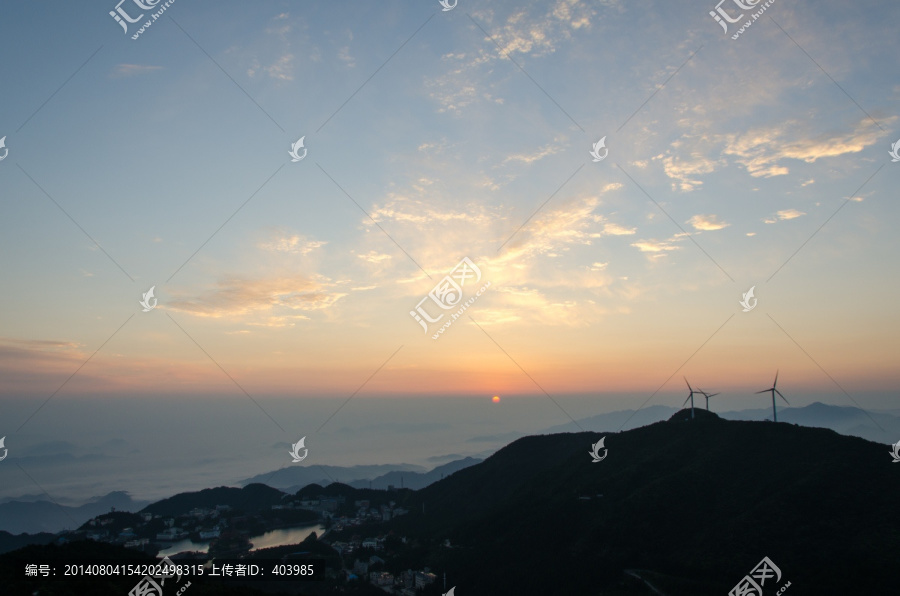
[(690, 397), (707, 396), (774, 390)]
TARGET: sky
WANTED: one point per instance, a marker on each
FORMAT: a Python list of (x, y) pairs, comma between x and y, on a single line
[(283, 289)]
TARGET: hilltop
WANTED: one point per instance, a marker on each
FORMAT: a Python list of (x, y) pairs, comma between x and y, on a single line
[(702, 500)]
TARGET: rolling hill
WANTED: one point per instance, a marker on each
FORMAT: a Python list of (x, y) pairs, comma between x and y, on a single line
[(699, 501)]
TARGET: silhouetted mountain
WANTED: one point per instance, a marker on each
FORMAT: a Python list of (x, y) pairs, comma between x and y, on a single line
[(498, 438), (447, 458), (32, 517), (613, 421), (689, 506), (31, 498), (10, 542), (415, 480), (335, 489), (699, 501), (291, 480), (252, 497), (845, 420), (295, 477)]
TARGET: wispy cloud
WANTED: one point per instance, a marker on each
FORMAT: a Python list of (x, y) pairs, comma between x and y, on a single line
[(42, 344), (763, 150), (783, 215), (537, 285), (24, 362), (345, 57), (522, 32), (656, 249), (687, 170), (707, 223), (375, 257), (573, 222), (282, 68), (402, 209), (529, 158), (237, 298), (614, 229), (273, 53), (132, 70), (285, 242)]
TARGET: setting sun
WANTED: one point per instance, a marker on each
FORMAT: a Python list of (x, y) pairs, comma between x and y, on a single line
[(496, 399)]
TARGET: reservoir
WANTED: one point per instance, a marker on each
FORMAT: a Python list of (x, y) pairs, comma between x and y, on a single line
[(268, 540)]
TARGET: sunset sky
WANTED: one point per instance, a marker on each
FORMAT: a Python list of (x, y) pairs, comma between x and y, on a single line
[(433, 136)]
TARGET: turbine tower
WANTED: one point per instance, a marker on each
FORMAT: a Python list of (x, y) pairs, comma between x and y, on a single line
[(707, 396), (690, 397), (774, 389)]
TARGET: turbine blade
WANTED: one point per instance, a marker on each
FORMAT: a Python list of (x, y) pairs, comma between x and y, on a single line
[(686, 401), (763, 391), (775, 384), (686, 382), (782, 397)]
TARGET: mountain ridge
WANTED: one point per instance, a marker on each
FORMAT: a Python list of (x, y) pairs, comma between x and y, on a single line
[(704, 499), (690, 504)]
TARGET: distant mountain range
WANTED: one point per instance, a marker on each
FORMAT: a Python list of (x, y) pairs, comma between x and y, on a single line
[(32, 517), (294, 478), (415, 480), (844, 420), (10, 542), (615, 421), (379, 476), (33, 514), (252, 498), (683, 507)]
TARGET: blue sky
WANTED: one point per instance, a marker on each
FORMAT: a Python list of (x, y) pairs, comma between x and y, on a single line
[(432, 136)]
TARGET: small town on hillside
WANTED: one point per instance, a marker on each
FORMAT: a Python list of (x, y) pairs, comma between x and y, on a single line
[(354, 532)]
